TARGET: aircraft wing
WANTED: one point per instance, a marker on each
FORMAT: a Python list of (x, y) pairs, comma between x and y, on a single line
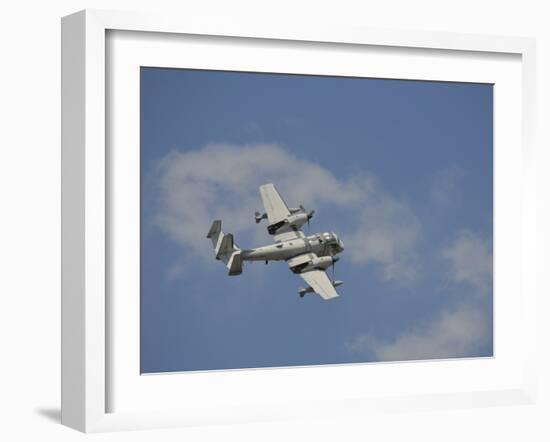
[(320, 283), (274, 205)]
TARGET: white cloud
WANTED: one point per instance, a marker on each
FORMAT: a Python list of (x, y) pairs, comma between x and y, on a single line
[(461, 332), (445, 189), (456, 333), (221, 181), (471, 261), (387, 234)]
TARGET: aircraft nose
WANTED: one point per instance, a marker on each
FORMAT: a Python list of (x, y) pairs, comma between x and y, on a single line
[(341, 244)]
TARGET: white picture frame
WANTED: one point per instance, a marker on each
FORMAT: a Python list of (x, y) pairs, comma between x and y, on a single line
[(86, 356)]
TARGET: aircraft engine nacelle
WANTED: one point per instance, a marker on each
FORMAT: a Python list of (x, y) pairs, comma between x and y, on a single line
[(297, 220), (322, 262)]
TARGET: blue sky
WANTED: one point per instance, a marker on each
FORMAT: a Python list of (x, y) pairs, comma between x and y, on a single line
[(401, 170)]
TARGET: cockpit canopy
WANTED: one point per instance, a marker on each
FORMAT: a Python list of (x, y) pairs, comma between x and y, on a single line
[(332, 239), (339, 242)]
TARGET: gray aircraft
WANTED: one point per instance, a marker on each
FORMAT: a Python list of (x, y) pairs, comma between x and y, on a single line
[(307, 256)]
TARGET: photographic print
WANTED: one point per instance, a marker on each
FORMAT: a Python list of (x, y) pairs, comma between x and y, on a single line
[(298, 220)]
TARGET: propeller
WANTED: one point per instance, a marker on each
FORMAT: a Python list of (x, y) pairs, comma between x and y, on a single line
[(309, 215)]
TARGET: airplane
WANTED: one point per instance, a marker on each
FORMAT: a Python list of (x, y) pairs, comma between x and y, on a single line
[(307, 256)]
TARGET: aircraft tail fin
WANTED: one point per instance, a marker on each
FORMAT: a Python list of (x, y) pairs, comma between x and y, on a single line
[(225, 248), (235, 263), (215, 231)]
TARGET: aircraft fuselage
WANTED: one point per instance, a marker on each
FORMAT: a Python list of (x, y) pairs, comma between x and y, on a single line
[(322, 244)]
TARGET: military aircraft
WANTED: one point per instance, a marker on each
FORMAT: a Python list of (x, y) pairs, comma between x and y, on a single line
[(307, 256)]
